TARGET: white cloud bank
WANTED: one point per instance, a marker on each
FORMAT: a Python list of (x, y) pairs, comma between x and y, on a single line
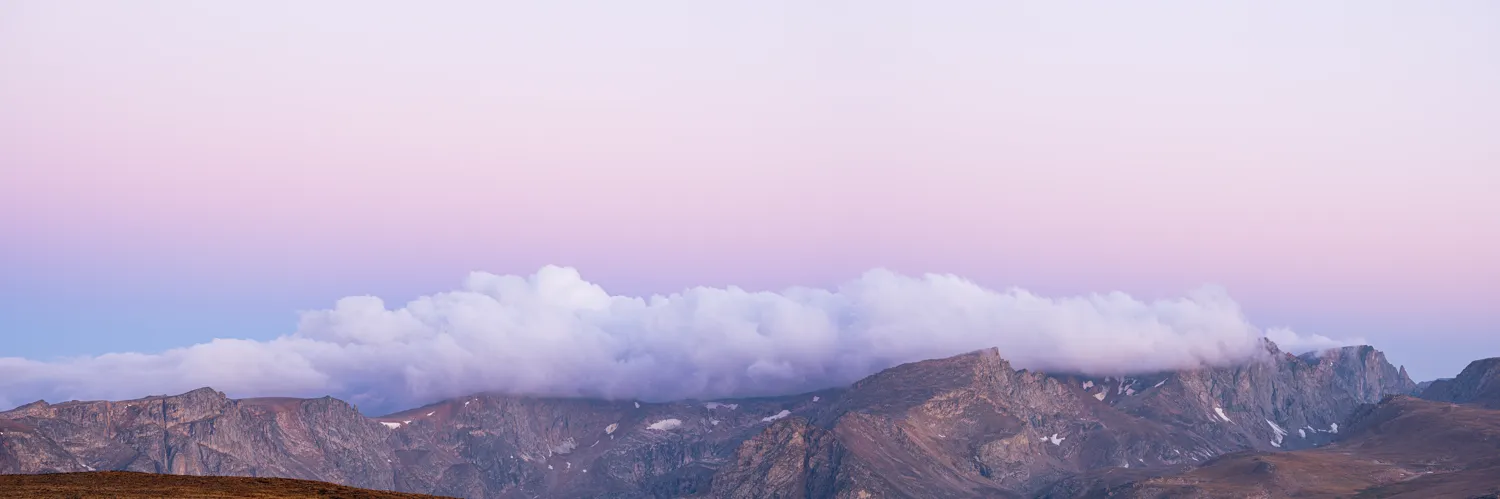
[(1291, 341), (554, 333)]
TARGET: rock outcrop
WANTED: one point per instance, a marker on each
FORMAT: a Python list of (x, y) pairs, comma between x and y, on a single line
[(202, 432), (1402, 447), (1478, 384)]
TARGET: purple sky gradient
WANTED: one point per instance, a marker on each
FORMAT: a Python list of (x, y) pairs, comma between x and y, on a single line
[(172, 172)]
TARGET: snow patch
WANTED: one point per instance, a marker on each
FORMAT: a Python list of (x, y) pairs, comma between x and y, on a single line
[(637, 405), (1333, 428), (779, 415), (406, 422), (1301, 433), (1220, 412), (1056, 440), (715, 405), (1130, 391), (391, 425), (611, 428), (1099, 396), (1088, 385), (431, 413), (1280, 433), (815, 398), (549, 466), (665, 425)]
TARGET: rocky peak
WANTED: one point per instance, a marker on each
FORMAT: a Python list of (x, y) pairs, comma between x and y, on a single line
[(791, 458), (203, 432), (1478, 384), (900, 388), (38, 408)]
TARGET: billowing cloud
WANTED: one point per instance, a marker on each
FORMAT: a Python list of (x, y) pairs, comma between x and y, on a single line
[(1290, 341), (553, 333)]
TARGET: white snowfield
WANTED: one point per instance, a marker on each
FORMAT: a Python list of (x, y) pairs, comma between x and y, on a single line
[(1280, 433), (665, 425), (779, 415)]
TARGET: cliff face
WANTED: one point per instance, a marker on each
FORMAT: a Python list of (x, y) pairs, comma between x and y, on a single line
[(1282, 402), (494, 445), (1478, 384), (202, 432), (1401, 447), (964, 426)]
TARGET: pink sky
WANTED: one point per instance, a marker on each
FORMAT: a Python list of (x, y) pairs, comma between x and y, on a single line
[(1332, 165)]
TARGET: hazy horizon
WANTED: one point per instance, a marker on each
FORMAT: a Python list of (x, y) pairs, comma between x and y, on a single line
[(554, 333)]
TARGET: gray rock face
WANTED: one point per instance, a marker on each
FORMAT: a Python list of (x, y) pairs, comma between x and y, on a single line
[(202, 432), (1283, 402), (1478, 384), (791, 458), (1401, 447), (964, 426), (495, 445)]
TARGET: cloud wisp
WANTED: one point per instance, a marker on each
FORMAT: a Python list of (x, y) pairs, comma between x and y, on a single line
[(554, 333)]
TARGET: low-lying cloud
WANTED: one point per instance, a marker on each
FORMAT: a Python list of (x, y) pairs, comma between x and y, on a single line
[(553, 333)]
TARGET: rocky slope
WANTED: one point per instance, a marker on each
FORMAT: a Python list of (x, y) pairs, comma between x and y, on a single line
[(964, 426), (1478, 384), (201, 432), (1402, 447)]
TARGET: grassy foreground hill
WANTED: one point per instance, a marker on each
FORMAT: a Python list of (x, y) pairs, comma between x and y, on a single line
[(130, 485)]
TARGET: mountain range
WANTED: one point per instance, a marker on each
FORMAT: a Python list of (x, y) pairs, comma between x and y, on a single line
[(1331, 423)]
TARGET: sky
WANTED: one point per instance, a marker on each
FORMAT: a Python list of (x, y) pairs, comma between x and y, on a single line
[(176, 172)]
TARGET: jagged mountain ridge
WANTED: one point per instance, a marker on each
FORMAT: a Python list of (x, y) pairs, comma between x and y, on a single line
[(1402, 447), (963, 426), (1478, 384)]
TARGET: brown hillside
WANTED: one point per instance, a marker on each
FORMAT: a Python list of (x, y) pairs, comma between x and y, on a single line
[(129, 485)]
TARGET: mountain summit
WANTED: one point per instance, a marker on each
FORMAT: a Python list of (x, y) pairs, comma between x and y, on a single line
[(1478, 384)]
